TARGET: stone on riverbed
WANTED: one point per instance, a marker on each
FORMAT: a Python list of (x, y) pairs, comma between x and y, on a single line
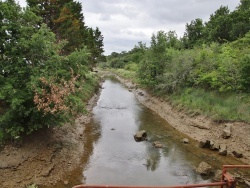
[(204, 169), (204, 144), (185, 141), (214, 145), (223, 150), (140, 136), (157, 144)]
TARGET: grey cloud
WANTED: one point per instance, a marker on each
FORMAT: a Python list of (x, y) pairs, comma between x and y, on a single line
[(125, 22)]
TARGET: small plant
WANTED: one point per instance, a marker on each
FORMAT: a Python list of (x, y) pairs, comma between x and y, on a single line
[(32, 186)]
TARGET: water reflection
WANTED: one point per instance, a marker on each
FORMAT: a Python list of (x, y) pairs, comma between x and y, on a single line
[(118, 159)]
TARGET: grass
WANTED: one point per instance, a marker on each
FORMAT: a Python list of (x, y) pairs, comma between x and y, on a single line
[(127, 74), (218, 106)]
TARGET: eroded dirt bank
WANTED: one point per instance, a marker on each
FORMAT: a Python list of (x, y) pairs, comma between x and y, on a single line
[(197, 127), (45, 157)]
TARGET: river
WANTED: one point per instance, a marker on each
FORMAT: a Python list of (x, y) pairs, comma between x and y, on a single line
[(115, 158)]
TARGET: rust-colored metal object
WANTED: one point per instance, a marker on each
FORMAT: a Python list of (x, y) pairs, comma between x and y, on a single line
[(227, 181)]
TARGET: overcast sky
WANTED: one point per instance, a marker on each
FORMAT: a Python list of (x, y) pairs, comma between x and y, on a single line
[(124, 23)]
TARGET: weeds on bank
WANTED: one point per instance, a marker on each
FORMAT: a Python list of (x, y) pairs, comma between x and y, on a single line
[(131, 75), (218, 106)]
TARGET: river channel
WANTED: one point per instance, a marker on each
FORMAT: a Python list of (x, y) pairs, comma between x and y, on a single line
[(115, 158)]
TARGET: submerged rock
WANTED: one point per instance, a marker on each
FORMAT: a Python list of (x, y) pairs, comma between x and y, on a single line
[(157, 144)]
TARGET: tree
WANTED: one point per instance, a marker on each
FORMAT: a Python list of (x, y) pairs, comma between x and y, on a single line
[(38, 86), (240, 18), (94, 42), (194, 33), (64, 18), (218, 27)]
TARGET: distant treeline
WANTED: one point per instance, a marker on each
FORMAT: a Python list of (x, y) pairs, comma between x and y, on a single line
[(211, 56), (46, 52)]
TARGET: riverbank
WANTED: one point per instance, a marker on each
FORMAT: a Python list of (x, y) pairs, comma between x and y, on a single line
[(45, 157), (197, 127)]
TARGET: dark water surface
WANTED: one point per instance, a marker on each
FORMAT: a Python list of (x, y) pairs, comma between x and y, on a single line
[(115, 158)]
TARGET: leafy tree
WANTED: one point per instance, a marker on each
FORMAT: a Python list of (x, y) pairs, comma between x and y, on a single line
[(219, 25), (194, 33), (64, 18), (38, 86), (240, 18), (94, 42)]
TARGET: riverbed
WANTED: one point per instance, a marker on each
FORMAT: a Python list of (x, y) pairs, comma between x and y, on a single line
[(118, 159)]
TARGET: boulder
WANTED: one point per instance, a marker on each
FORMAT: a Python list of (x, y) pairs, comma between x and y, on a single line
[(140, 136), (157, 144), (223, 150), (204, 169), (227, 131), (214, 145), (185, 140), (204, 144)]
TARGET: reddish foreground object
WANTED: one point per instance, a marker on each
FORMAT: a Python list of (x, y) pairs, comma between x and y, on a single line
[(227, 181)]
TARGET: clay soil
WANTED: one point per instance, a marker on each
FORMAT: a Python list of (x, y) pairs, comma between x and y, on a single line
[(45, 157)]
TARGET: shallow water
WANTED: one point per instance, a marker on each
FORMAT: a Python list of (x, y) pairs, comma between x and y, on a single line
[(118, 160)]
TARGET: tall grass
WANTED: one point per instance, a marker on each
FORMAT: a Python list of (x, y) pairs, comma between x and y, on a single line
[(218, 106), (128, 74)]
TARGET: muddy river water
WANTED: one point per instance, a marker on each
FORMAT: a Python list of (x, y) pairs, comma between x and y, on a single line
[(115, 158)]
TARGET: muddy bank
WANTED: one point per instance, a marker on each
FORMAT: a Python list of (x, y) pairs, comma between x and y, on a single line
[(45, 157), (197, 127)]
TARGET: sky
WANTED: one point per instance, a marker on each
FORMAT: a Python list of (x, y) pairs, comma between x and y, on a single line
[(124, 23)]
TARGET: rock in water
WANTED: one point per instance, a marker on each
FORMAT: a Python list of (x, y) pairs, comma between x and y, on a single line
[(140, 136), (204, 169), (157, 144)]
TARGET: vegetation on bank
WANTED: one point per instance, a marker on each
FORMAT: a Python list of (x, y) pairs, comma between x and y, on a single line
[(45, 65), (206, 71)]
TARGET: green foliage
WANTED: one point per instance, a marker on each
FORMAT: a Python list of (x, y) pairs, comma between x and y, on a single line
[(216, 75), (218, 106), (39, 86), (194, 33), (66, 20), (32, 186)]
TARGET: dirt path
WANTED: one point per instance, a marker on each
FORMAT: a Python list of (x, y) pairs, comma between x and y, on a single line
[(197, 127), (45, 157)]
